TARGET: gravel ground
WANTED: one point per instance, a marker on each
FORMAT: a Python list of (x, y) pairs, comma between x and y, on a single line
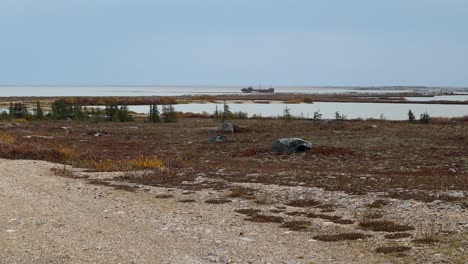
[(49, 219)]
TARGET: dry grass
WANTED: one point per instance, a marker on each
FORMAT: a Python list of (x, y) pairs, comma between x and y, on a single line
[(152, 163), (138, 163), (6, 138), (428, 232), (28, 151), (341, 237)]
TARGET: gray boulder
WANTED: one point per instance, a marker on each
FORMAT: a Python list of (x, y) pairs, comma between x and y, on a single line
[(290, 145), (217, 139)]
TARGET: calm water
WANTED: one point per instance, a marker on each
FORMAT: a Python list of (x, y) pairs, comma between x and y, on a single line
[(440, 98), (185, 90), (328, 110)]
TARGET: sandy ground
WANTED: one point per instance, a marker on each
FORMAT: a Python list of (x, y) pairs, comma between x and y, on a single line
[(50, 219)]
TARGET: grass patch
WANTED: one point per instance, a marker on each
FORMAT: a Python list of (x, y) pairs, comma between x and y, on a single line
[(259, 218), (296, 225), (341, 237), (276, 211), (122, 187), (187, 201), (425, 241), (242, 192), (164, 196), (295, 213), (390, 250), (378, 204), (303, 203), (99, 182), (249, 212), (397, 235), (384, 226), (218, 201), (332, 218), (66, 172)]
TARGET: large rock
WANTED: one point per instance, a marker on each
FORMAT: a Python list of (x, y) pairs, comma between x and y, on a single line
[(229, 127), (290, 145)]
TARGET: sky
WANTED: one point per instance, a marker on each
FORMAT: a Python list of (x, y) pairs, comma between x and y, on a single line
[(234, 42)]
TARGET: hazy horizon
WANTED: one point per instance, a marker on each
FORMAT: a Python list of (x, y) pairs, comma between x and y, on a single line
[(234, 43)]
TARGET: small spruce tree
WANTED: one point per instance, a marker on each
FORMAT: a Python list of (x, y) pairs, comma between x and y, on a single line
[(411, 117), (317, 116), (226, 113), (38, 112), (168, 114), (287, 113), (154, 116), (172, 114), (216, 113), (425, 118), (339, 116)]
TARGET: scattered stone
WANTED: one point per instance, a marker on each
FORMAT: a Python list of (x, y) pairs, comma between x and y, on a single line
[(406, 205), (456, 194), (217, 139), (229, 127), (97, 133), (37, 136), (246, 239), (290, 145)]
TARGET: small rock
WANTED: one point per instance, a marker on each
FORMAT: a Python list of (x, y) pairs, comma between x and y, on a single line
[(247, 239), (217, 139)]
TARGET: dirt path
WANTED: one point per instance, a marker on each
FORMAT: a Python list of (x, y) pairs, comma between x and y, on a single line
[(49, 219)]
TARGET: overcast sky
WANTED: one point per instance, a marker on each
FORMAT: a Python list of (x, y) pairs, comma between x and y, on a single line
[(234, 42)]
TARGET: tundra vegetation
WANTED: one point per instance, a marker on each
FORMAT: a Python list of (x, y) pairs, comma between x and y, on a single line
[(412, 160)]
